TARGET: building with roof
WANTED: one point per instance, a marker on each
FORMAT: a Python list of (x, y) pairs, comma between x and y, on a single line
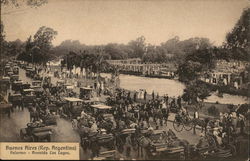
[(135, 66), (231, 73)]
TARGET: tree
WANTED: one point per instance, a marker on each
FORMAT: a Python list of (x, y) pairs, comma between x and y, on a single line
[(138, 47), (2, 35), (189, 71), (19, 5), (238, 40), (43, 40), (195, 90), (240, 34), (68, 45), (115, 51), (38, 50)]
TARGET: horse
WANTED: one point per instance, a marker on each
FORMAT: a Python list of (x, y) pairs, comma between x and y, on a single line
[(202, 123)]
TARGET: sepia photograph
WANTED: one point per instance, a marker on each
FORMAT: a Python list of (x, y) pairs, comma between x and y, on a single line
[(125, 80)]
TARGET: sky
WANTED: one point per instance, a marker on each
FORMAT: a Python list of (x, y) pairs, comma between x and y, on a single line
[(98, 22)]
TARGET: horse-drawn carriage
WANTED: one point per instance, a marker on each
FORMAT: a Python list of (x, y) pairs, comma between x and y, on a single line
[(85, 93), (72, 107), (126, 137), (28, 96), (37, 87), (182, 121), (158, 144), (48, 119), (101, 144), (97, 109), (36, 132), (208, 148)]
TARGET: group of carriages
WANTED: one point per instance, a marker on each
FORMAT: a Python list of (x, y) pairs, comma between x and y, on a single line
[(32, 73), (20, 94), (98, 132), (10, 75), (97, 127)]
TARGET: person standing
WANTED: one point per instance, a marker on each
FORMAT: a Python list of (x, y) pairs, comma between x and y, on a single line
[(153, 95), (128, 95), (135, 95), (95, 85), (157, 96), (145, 95)]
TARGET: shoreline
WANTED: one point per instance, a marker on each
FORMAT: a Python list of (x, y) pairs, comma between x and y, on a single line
[(222, 107)]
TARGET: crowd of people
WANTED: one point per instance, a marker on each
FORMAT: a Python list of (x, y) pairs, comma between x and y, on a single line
[(138, 110)]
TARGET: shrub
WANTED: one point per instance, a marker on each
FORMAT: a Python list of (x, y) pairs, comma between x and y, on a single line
[(212, 110)]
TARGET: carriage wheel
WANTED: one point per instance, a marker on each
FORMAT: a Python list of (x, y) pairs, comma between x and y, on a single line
[(178, 125), (188, 125)]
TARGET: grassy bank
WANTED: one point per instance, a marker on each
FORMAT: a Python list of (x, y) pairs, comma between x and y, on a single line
[(228, 89)]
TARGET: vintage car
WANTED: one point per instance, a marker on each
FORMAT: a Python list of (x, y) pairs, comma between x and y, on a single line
[(28, 96), (72, 108), (30, 72), (22, 64), (5, 83), (7, 69), (69, 90), (36, 132), (14, 78), (85, 93), (53, 108), (16, 100), (36, 85), (17, 85), (10, 73), (25, 86), (100, 108), (60, 82), (16, 70)]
